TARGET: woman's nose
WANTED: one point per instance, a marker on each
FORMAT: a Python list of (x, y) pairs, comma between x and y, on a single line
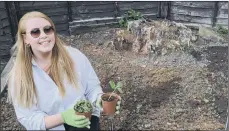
[(43, 35)]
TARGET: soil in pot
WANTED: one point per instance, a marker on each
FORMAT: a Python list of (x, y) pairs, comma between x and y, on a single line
[(109, 105)]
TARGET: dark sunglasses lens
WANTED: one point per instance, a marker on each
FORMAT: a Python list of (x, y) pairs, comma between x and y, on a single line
[(48, 30), (35, 33)]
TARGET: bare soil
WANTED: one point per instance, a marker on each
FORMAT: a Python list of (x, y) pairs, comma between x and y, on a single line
[(108, 98), (180, 91)]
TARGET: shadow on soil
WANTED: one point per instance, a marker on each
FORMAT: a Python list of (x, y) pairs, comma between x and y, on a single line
[(148, 99), (219, 63)]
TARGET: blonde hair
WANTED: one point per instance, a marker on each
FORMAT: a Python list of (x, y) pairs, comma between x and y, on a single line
[(24, 90)]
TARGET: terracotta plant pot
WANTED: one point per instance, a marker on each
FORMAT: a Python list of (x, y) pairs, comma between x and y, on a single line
[(109, 107), (86, 114)]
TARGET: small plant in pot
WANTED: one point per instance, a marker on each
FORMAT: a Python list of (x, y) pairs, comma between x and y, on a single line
[(110, 99), (84, 107)]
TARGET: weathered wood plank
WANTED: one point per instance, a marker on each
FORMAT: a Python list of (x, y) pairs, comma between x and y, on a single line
[(92, 9), (222, 21), (36, 4), (95, 15), (223, 5), (205, 12), (6, 30), (92, 21), (80, 3), (49, 15), (5, 38), (191, 19), (195, 4), (151, 16), (61, 27), (2, 4), (223, 14), (137, 5), (143, 11), (5, 22), (47, 11), (2, 9), (57, 19), (89, 28), (6, 46), (3, 14), (65, 33)]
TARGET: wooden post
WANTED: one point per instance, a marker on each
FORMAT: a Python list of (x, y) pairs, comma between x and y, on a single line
[(164, 9), (116, 9), (159, 10), (18, 11), (13, 18), (168, 10), (69, 11), (69, 16), (215, 13)]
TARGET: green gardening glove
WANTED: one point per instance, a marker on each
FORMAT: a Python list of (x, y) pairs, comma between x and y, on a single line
[(74, 120), (100, 104)]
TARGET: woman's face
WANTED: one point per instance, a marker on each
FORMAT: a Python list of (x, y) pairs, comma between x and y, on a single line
[(40, 35)]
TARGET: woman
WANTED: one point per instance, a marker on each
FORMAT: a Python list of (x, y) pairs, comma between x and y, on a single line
[(48, 78)]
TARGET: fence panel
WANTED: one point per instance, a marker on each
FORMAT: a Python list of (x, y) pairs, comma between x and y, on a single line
[(193, 12), (6, 39), (222, 17)]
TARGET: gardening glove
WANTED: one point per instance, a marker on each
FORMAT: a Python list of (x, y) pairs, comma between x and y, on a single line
[(79, 121), (100, 104)]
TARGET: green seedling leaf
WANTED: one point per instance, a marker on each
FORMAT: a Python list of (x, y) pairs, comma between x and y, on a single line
[(119, 84), (120, 90), (112, 84)]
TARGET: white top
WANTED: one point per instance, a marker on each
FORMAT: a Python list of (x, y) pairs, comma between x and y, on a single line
[(50, 102)]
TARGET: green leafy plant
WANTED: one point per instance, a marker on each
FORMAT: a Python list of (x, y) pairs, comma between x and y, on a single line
[(115, 87), (123, 22), (134, 15), (222, 30), (129, 16), (83, 106)]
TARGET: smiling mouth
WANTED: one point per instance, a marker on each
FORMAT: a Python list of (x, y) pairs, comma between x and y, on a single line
[(45, 42)]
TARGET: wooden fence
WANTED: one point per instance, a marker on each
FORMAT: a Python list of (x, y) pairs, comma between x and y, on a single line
[(6, 39), (210, 13), (72, 17)]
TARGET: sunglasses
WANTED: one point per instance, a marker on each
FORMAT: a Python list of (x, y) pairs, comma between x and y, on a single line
[(36, 32)]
